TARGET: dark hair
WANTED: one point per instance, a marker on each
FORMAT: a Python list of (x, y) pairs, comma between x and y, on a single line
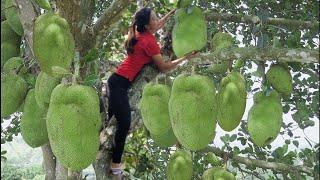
[(141, 18)]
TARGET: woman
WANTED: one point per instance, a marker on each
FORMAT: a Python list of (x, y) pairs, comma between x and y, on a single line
[(142, 48)]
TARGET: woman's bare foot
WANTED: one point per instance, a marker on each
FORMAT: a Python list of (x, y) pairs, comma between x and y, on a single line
[(115, 165)]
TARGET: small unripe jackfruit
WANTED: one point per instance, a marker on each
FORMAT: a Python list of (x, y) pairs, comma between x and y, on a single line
[(180, 166)]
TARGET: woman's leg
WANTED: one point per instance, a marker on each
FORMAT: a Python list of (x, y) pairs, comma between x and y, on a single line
[(119, 102)]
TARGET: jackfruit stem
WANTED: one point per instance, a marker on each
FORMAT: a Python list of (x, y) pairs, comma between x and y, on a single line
[(76, 68)]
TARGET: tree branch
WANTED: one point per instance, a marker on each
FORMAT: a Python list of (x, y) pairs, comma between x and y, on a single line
[(111, 15), (288, 23), (279, 167), (27, 15), (252, 53)]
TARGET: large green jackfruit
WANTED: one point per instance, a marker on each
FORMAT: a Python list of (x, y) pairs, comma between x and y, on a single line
[(189, 32), (33, 122), (280, 79), (43, 88), (13, 65), (8, 50), (53, 43), (232, 99), (217, 173), (73, 124), (192, 109), (8, 35), (11, 13), (180, 166), (13, 92), (165, 140), (220, 41), (154, 108), (265, 118)]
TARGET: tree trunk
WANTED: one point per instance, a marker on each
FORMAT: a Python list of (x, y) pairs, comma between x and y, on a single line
[(49, 162), (61, 172)]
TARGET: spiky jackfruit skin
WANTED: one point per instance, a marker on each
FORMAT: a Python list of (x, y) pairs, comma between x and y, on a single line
[(8, 34), (186, 36), (265, 118), (165, 140), (14, 65), (33, 122), (73, 123), (221, 40), (217, 173), (154, 108), (53, 43), (212, 159), (232, 101), (11, 13), (13, 92), (8, 50), (193, 111), (280, 79), (180, 166), (43, 88)]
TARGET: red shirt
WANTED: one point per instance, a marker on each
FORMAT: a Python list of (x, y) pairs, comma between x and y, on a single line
[(144, 49)]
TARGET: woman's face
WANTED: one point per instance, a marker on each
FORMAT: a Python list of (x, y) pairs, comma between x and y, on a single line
[(153, 23)]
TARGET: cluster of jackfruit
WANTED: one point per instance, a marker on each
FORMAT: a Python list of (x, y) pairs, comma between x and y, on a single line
[(193, 111), (217, 173), (265, 118), (33, 122), (190, 31), (73, 124), (280, 79), (155, 113), (180, 166), (220, 41), (231, 100), (53, 43)]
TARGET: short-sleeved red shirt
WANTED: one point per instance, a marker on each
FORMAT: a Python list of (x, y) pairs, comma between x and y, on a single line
[(145, 48)]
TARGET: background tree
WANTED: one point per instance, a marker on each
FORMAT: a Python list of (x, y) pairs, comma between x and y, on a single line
[(269, 31)]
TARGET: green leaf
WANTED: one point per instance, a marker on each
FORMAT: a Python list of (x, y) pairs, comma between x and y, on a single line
[(233, 137), (92, 80), (92, 55), (296, 143)]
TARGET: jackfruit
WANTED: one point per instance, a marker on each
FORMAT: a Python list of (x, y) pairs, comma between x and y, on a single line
[(53, 43), (8, 35), (189, 32), (13, 92), (8, 50), (11, 13), (280, 79), (232, 101), (265, 118), (180, 166), (165, 140), (220, 41), (43, 88), (212, 159), (14, 65), (33, 122), (154, 108), (217, 173), (73, 124), (44, 4), (193, 111)]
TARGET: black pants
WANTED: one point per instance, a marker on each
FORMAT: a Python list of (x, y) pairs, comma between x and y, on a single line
[(119, 107)]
